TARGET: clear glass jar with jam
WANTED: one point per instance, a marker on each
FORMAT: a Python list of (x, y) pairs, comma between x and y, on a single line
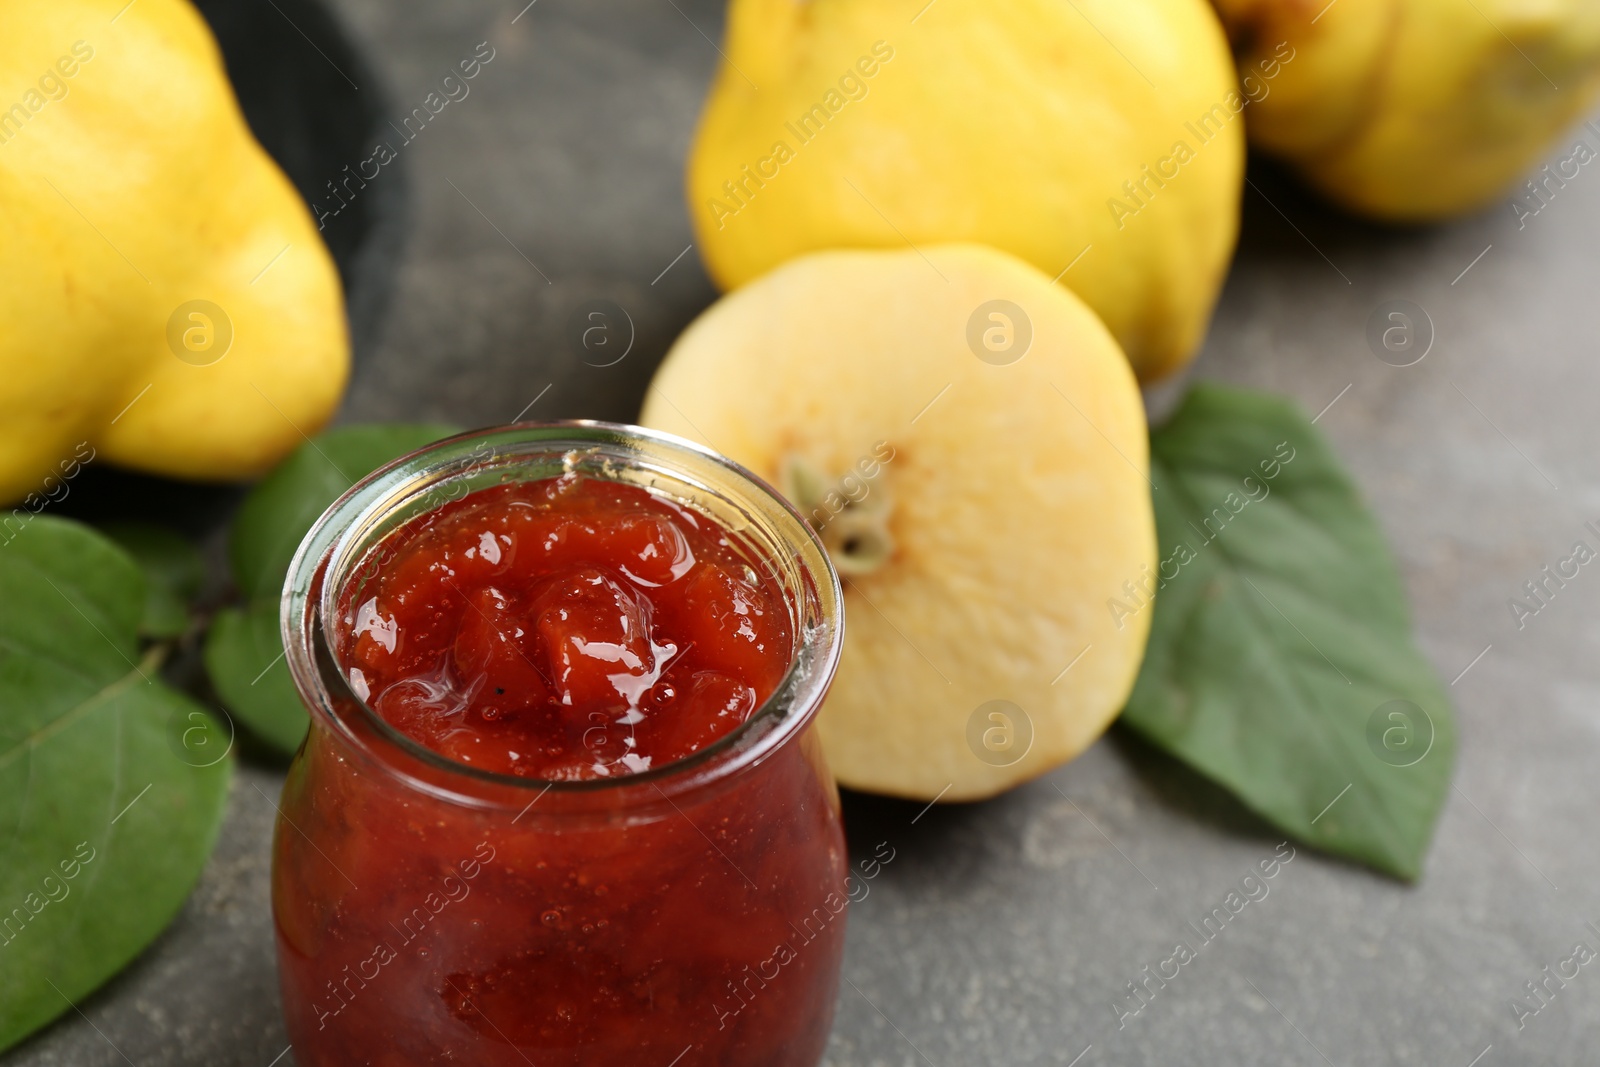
[(561, 801)]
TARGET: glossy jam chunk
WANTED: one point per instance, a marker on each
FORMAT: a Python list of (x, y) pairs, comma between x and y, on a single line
[(564, 629)]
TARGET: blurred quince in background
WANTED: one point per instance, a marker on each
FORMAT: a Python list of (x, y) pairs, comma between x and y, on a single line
[(1099, 140), (165, 298), (1416, 110)]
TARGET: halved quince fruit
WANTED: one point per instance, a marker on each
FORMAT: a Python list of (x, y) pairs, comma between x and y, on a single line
[(971, 444)]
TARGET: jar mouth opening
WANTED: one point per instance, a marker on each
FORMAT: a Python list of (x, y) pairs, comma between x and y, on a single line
[(342, 541)]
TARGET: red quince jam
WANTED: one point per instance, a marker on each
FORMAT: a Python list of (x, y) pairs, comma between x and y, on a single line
[(560, 630), (565, 629)]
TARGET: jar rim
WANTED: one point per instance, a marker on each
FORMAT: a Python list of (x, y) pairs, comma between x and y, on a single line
[(333, 546)]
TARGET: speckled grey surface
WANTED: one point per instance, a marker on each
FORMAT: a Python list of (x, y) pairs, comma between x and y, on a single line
[(1003, 933)]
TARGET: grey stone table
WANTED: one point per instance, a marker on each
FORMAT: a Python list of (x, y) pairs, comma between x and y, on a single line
[(1002, 933)]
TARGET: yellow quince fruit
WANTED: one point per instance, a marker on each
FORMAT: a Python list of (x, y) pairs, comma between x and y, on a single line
[(970, 444), (167, 302), (1099, 140), (1414, 110)]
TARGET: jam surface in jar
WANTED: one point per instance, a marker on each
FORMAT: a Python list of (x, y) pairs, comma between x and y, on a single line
[(565, 629)]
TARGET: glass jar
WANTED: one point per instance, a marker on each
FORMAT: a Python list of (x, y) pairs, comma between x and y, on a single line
[(431, 912)]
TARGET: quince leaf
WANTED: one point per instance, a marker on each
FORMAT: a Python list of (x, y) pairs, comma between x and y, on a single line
[(174, 571), (244, 657), (244, 651), (112, 784), (1280, 662)]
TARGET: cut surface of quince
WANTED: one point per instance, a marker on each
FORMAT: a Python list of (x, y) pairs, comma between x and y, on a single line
[(970, 444)]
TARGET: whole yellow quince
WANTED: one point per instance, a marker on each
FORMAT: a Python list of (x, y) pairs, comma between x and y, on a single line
[(1100, 140), (1414, 110), (168, 304)]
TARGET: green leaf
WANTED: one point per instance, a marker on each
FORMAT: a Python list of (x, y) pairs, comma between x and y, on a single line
[(1280, 661), (244, 657), (112, 784), (174, 571), (275, 516), (244, 653)]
